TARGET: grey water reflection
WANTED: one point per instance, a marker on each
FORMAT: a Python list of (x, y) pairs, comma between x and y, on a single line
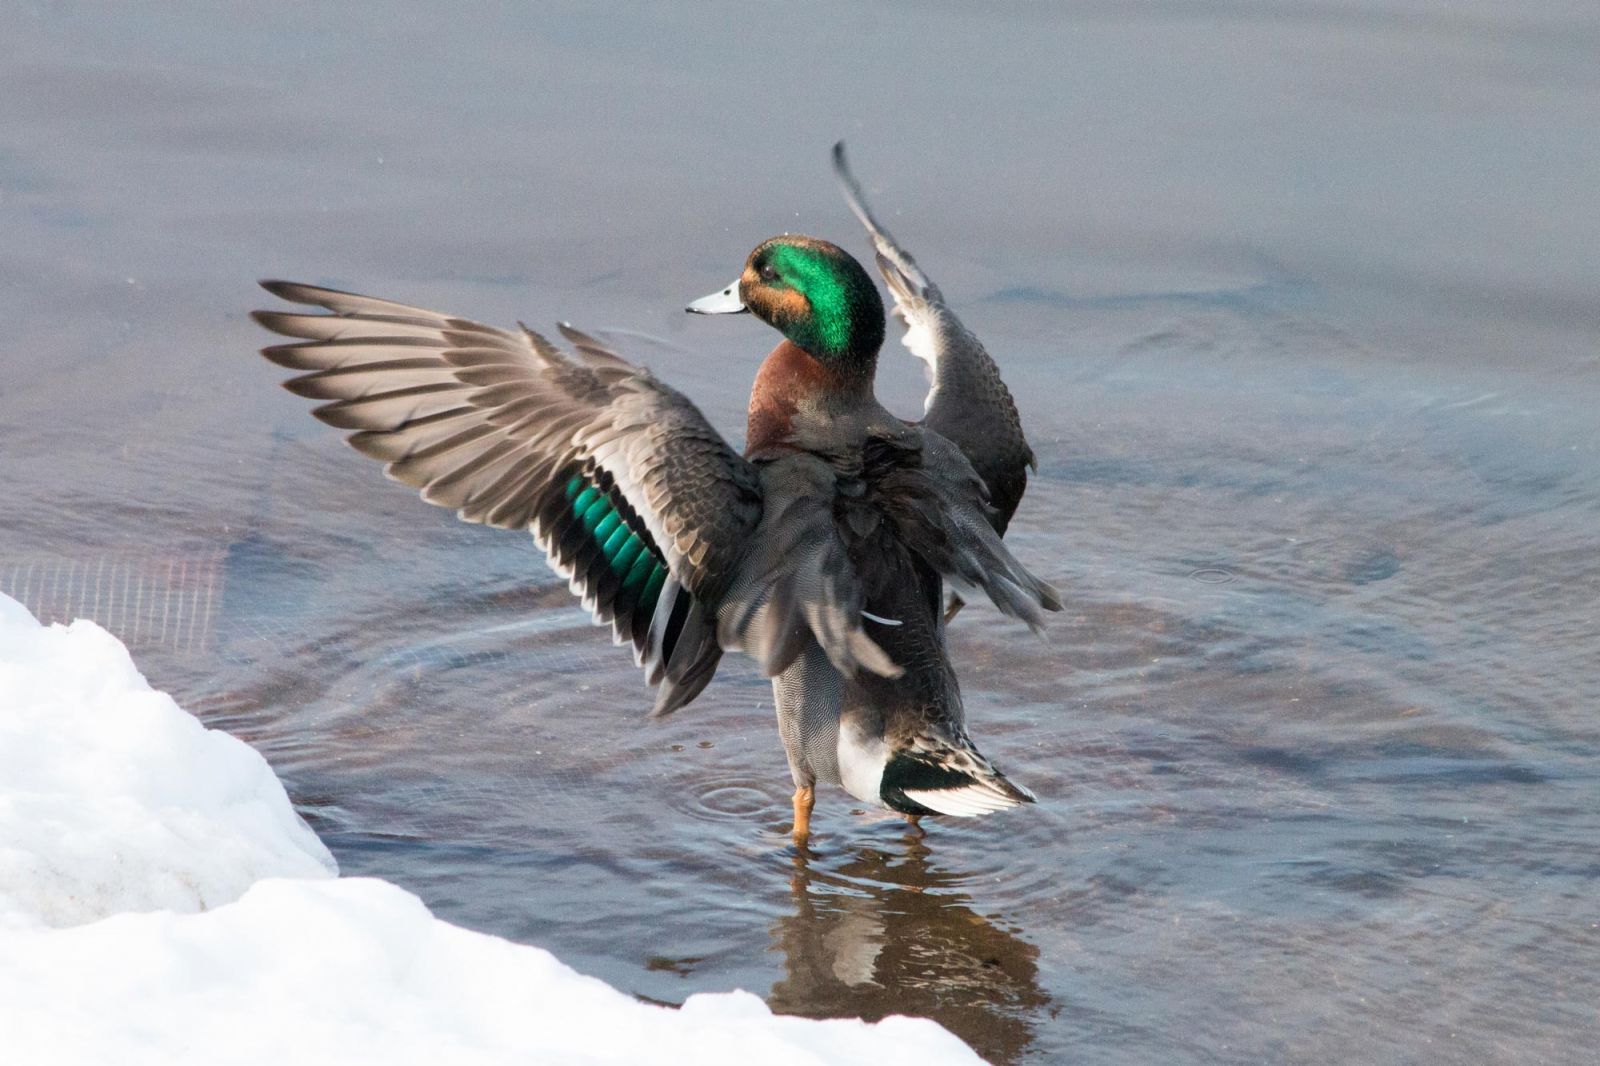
[(1297, 299), (889, 931)]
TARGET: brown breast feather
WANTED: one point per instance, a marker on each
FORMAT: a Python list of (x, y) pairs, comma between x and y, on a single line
[(787, 378)]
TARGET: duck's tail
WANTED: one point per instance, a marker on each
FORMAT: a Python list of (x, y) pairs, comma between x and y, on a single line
[(942, 775)]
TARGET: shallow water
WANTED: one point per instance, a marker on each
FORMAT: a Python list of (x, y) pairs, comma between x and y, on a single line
[(1298, 301)]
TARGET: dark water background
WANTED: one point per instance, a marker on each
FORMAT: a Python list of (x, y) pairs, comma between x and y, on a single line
[(1301, 302)]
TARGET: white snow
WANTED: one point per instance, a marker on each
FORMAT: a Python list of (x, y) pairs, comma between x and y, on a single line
[(114, 799), (161, 902)]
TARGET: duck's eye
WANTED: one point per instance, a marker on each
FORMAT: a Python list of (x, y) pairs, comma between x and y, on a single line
[(767, 273)]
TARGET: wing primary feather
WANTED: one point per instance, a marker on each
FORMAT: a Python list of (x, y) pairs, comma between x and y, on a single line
[(892, 259), (345, 303), (635, 499)]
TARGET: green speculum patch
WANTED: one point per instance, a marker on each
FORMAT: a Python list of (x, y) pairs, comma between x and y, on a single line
[(629, 555)]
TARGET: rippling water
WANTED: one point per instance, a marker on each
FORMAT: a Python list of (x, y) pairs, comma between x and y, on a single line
[(1298, 301)]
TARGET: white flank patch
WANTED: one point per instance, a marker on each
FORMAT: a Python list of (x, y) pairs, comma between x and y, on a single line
[(160, 902), (861, 761)]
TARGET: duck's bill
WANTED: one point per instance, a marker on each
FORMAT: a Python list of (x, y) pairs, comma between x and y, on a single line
[(726, 302)]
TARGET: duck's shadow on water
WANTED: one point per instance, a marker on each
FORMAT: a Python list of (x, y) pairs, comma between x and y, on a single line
[(880, 931)]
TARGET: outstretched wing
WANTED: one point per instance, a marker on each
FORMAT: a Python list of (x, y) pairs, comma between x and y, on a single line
[(937, 501), (629, 491), (967, 401)]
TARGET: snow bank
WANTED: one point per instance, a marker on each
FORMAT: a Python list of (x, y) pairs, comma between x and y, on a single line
[(161, 902), (113, 799), (357, 969)]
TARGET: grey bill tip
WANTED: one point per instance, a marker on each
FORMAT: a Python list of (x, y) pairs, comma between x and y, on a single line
[(723, 302)]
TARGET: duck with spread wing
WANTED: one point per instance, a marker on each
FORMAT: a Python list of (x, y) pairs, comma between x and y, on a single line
[(823, 552)]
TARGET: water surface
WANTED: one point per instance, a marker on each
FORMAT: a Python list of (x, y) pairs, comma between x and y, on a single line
[(1298, 302)]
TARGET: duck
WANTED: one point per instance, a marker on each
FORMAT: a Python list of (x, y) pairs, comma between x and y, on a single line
[(822, 551)]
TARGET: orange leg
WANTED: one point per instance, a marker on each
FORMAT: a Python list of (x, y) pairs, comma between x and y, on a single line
[(804, 799)]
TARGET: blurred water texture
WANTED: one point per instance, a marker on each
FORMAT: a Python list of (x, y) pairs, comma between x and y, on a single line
[(1298, 300)]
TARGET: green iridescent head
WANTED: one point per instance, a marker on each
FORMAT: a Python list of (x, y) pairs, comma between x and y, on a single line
[(818, 296)]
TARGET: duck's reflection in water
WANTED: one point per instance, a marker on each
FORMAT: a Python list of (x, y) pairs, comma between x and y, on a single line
[(877, 933)]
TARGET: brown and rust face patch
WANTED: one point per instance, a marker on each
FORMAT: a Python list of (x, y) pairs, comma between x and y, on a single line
[(775, 304)]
